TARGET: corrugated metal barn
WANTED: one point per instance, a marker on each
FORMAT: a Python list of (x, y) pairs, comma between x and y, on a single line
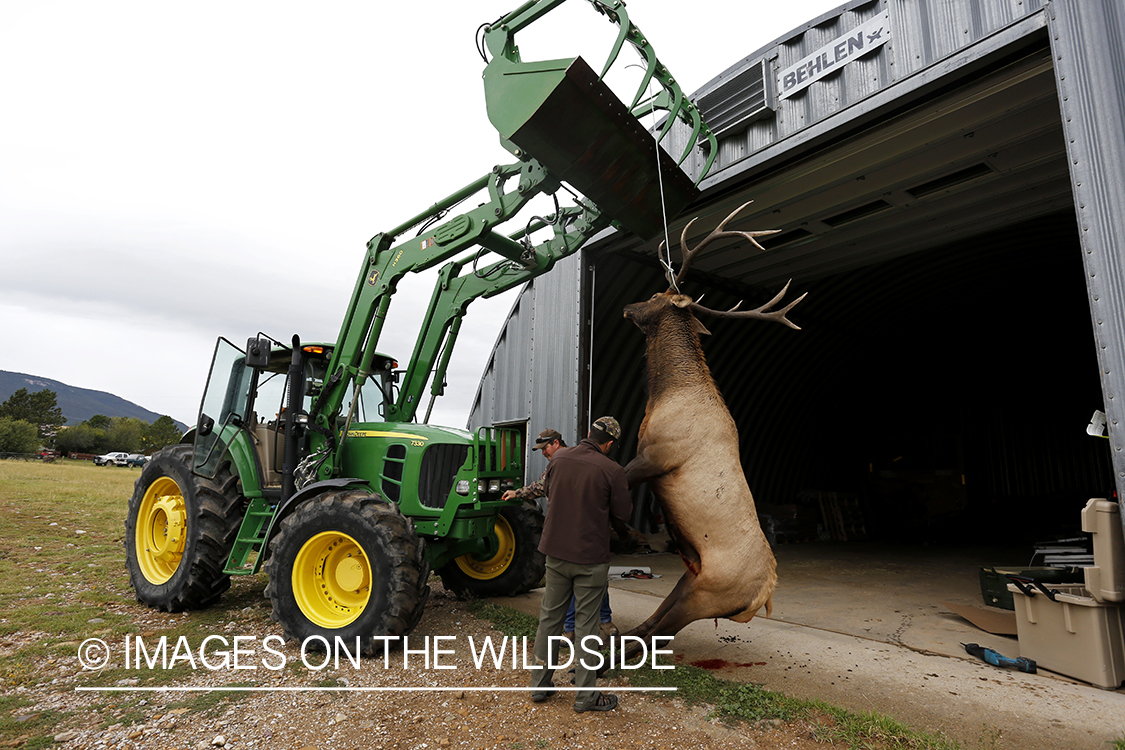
[(948, 179)]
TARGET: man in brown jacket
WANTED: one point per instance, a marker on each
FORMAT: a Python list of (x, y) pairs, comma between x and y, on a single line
[(586, 488), (549, 441)]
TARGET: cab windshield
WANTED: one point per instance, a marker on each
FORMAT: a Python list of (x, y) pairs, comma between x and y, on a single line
[(234, 397), (374, 396)]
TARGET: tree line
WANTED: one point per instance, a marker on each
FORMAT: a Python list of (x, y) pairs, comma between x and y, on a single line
[(30, 422)]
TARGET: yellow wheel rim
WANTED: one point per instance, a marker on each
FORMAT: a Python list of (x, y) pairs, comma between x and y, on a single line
[(161, 529), (487, 568), (331, 580)]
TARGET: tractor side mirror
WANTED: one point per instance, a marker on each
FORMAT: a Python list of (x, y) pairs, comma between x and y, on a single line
[(257, 352)]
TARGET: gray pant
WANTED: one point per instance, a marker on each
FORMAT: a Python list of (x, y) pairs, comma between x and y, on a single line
[(587, 584)]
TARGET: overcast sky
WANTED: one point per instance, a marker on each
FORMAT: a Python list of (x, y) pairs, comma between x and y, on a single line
[(171, 172)]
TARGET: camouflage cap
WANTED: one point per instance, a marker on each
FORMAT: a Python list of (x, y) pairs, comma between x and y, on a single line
[(546, 437), (609, 426)]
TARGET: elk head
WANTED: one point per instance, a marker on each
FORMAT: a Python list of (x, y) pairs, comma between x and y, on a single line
[(646, 314)]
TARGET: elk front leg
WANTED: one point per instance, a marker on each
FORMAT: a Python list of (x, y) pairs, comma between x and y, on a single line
[(641, 469)]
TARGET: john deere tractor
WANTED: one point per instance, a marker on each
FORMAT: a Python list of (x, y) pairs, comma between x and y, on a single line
[(308, 459)]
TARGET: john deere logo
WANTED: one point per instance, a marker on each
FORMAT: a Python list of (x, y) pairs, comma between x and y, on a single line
[(373, 277)]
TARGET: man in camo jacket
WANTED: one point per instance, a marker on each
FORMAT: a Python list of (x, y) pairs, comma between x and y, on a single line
[(548, 441)]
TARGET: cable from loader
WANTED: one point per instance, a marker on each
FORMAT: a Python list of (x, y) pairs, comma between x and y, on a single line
[(667, 263)]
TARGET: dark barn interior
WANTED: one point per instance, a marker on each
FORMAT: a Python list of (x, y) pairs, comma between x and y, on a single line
[(940, 388)]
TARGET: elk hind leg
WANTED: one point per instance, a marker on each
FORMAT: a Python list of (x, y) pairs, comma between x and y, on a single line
[(682, 613), (642, 631), (676, 615), (678, 592), (703, 600), (646, 628)]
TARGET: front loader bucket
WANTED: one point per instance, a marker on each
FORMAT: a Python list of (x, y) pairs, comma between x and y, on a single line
[(563, 115)]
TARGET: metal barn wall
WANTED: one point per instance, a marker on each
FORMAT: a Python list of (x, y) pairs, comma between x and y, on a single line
[(928, 39), (533, 373), (1086, 40)]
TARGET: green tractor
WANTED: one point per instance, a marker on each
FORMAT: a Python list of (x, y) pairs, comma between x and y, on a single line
[(310, 459)]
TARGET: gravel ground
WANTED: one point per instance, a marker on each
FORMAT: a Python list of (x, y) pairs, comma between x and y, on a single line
[(458, 709)]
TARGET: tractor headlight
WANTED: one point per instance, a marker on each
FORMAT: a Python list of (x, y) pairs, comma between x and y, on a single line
[(494, 486), (463, 487)]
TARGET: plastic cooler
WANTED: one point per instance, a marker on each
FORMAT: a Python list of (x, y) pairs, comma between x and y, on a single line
[(1105, 580), (1074, 635)]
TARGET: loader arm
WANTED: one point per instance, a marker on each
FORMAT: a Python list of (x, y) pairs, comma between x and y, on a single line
[(385, 264), (459, 283), (455, 290)]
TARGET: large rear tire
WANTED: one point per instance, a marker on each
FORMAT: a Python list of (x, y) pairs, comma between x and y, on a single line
[(347, 564), (515, 564), (179, 531)]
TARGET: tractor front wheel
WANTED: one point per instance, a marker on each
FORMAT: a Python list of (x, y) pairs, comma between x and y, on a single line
[(179, 531), (512, 565), (347, 564)]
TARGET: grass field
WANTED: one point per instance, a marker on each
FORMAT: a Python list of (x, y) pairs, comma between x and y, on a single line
[(61, 526), (63, 580)]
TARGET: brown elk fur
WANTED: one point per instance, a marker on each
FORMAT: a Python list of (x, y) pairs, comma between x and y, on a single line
[(688, 453)]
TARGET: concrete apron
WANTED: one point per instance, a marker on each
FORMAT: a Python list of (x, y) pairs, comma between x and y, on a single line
[(862, 627)]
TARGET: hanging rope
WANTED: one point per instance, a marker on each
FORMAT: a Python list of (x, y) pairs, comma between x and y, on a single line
[(666, 262)]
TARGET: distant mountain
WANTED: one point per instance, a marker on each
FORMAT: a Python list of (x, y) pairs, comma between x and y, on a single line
[(77, 404)]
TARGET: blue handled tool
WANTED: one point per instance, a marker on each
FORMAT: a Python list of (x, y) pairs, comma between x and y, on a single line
[(998, 660)]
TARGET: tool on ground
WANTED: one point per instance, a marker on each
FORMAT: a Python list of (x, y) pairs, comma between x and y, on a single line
[(999, 660)]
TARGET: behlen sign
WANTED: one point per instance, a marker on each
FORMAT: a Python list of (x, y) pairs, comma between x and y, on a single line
[(837, 53)]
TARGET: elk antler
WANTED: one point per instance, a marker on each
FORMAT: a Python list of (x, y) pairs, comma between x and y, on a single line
[(758, 313), (720, 232)]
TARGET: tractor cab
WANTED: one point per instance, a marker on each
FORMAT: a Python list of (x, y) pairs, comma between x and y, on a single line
[(245, 404)]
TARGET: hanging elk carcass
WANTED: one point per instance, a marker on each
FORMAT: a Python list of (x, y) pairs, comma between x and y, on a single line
[(688, 454)]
